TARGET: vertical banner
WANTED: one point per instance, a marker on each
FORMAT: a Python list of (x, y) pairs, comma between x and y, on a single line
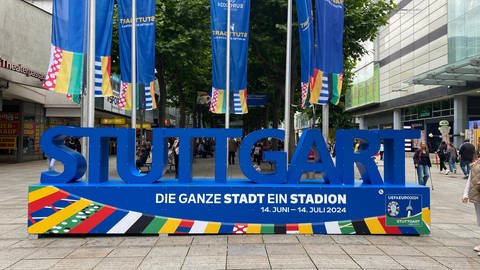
[(103, 47), (328, 51), (69, 44), (69, 29), (145, 24), (240, 13), (305, 28)]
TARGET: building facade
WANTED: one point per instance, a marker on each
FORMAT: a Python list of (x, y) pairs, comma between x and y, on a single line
[(423, 68)]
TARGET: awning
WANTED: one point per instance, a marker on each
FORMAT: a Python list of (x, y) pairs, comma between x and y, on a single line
[(458, 74)]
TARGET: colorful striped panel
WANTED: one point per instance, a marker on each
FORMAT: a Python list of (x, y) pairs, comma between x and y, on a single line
[(92, 221), (155, 225), (360, 227), (55, 211), (240, 102), (47, 223), (103, 84), (125, 223), (170, 226), (107, 223), (150, 103), (374, 226), (40, 193), (316, 86), (324, 92), (217, 104)]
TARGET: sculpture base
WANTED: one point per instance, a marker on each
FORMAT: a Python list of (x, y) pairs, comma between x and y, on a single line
[(238, 207)]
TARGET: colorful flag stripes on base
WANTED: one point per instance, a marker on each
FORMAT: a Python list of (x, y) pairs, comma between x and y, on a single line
[(65, 72), (55, 211), (103, 86)]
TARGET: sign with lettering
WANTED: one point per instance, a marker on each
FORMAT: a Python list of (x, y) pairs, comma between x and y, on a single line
[(274, 202)]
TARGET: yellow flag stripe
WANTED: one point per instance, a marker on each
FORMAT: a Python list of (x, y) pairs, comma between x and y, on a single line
[(63, 78), (374, 226), (213, 227), (106, 83), (170, 226), (40, 193), (49, 222), (305, 228), (254, 228), (426, 216)]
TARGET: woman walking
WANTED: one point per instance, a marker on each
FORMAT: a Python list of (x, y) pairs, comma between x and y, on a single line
[(472, 192), (422, 162), (452, 158)]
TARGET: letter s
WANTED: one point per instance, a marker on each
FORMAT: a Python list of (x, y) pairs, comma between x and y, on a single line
[(52, 144)]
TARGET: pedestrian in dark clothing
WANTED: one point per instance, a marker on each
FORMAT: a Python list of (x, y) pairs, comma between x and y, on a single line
[(452, 158), (442, 155), (232, 149), (422, 162), (467, 155)]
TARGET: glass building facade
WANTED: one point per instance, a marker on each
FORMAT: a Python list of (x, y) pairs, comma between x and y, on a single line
[(463, 30)]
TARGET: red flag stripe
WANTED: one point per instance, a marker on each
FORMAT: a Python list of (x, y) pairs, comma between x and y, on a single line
[(388, 229), (48, 200), (93, 221)]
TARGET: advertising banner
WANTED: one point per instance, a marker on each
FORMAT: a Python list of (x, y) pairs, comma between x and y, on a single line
[(328, 51), (145, 65), (240, 14), (69, 44), (8, 143), (305, 29)]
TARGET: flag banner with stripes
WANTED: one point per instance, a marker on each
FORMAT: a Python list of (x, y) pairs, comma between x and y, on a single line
[(145, 65), (69, 28), (69, 44), (335, 88), (240, 13), (328, 48), (305, 23)]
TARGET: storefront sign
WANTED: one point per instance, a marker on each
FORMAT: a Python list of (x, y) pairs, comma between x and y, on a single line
[(8, 143), (275, 202), (113, 121), (21, 69)]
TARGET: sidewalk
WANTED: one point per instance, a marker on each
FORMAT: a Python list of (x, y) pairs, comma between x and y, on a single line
[(454, 233)]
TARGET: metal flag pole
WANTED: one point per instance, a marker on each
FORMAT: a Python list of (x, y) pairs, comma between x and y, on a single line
[(227, 86), (288, 79), (325, 119), (227, 90), (134, 68), (91, 66)]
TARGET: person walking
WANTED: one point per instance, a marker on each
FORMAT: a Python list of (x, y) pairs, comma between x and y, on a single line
[(467, 155), (471, 193), (452, 158), (232, 149), (176, 151), (442, 155), (422, 162)]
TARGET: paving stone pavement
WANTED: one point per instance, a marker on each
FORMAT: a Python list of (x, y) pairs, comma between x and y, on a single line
[(449, 246)]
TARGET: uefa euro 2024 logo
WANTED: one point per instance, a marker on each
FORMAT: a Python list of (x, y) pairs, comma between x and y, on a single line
[(393, 208)]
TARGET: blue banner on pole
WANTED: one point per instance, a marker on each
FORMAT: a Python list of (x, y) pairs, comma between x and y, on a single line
[(305, 29), (328, 50), (145, 24), (240, 13)]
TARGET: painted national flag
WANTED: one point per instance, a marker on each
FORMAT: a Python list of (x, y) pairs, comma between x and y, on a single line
[(103, 85), (125, 101), (150, 103), (217, 104), (336, 88), (240, 228), (305, 94), (292, 229), (240, 102)]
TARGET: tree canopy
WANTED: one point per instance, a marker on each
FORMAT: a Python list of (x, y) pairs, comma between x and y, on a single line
[(183, 56)]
